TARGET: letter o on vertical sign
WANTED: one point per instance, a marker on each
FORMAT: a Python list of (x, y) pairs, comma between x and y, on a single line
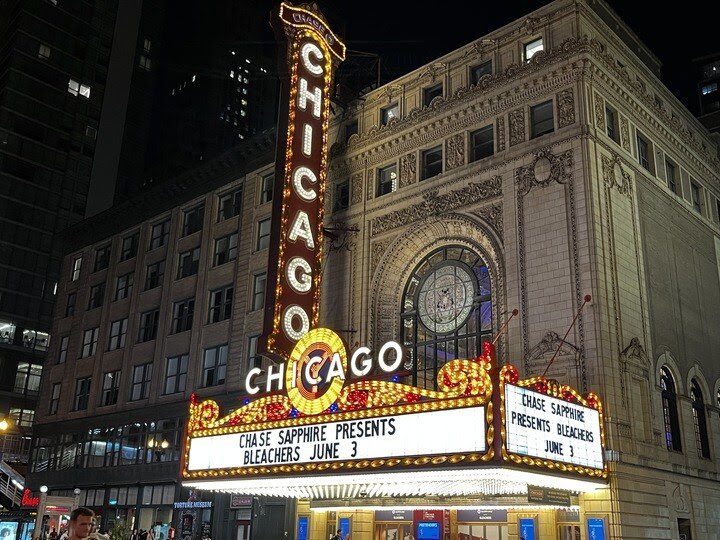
[(291, 313)]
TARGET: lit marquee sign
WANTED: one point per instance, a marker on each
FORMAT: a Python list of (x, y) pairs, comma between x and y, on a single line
[(293, 289)]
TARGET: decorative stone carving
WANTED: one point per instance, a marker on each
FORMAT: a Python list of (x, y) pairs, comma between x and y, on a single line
[(377, 249), (679, 499), (615, 176), (539, 356), (624, 133), (600, 113), (356, 188), (529, 25), (433, 70), (547, 168), (435, 204), (480, 48), (455, 151), (390, 91), (517, 126), (408, 170), (493, 216), (566, 108), (500, 134), (370, 184)]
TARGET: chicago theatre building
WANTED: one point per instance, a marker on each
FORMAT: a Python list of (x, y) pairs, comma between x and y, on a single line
[(486, 296)]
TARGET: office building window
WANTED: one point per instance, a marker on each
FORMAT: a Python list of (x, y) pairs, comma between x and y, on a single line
[(85, 91), (225, 249), (43, 52), (159, 234), (90, 339), (431, 93), (27, 378), (431, 162), (154, 275), (388, 113), (54, 399), (670, 413), (387, 180), (70, 304), (532, 48), (342, 196), (102, 258), (481, 143), (254, 359), (479, 71), (541, 119), (97, 293), (230, 204), (22, 417), (351, 128), (142, 376), (220, 304), (189, 262), (611, 121), (77, 264), (82, 394), (63, 350), (696, 195), (73, 87), (176, 368), (124, 285), (644, 155), (214, 364), (110, 388), (258, 299), (118, 329), (193, 219), (129, 247), (700, 421), (182, 316), (148, 325), (263, 234), (671, 175), (266, 187), (145, 62)]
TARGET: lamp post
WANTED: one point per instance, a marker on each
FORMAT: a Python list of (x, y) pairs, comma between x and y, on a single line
[(76, 503), (40, 512)]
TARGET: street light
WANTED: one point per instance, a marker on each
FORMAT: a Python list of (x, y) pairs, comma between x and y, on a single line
[(4, 424), (43, 489), (41, 510)]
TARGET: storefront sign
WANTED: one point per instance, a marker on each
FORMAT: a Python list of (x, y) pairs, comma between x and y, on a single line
[(429, 433), (498, 515), (393, 515), (193, 504), (239, 501), (554, 429), (554, 497)]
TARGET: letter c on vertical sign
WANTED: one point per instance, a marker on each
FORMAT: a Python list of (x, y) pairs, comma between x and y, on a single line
[(308, 50)]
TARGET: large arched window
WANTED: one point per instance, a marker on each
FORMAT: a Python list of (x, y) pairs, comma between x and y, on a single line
[(699, 421), (670, 414), (446, 312)]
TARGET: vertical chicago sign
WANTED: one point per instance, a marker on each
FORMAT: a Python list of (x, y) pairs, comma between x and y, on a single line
[(293, 287)]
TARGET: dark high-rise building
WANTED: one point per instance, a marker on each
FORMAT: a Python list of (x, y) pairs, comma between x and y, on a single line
[(709, 91)]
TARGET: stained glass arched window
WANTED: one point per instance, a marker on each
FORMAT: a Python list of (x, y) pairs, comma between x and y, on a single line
[(446, 312), (670, 414)]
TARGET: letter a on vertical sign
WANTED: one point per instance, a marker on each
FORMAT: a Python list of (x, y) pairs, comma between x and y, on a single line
[(292, 299)]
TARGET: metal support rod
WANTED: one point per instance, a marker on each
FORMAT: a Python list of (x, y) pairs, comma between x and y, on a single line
[(562, 342)]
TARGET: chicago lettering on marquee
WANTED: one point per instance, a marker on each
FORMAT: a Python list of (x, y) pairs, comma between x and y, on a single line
[(293, 286)]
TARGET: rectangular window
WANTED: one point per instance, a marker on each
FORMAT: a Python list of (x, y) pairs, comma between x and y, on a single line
[(148, 325), (77, 264), (142, 375), (102, 258), (159, 234), (225, 249), (481, 143), (706, 89), (541, 119), (388, 113), (670, 173), (44, 52), (254, 359), (62, 352), (90, 339), (118, 329), (70, 305), (85, 91), (154, 275), (54, 399), (431, 162), (220, 304), (387, 180), (351, 128), (193, 219), (129, 247), (266, 188), (82, 393), (97, 294), (73, 87), (717, 207), (532, 48), (22, 417), (145, 62), (189, 262), (258, 299), (124, 285), (479, 71), (342, 196), (263, 234), (230, 204), (27, 378), (176, 369), (643, 148), (110, 389), (182, 315), (214, 364), (696, 194), (146, 45), (431, 93), (612, 124)]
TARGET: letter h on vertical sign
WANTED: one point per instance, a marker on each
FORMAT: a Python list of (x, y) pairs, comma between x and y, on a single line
[(292, 296)]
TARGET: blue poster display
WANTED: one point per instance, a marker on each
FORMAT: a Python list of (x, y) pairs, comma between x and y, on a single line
[(302, 528), (344, 525), (596, 529), (527, 528)]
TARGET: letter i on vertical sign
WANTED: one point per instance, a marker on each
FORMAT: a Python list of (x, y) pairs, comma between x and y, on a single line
[(310, 54)]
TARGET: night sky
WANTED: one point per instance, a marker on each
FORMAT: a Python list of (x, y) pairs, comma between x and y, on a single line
[(408, 35)]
